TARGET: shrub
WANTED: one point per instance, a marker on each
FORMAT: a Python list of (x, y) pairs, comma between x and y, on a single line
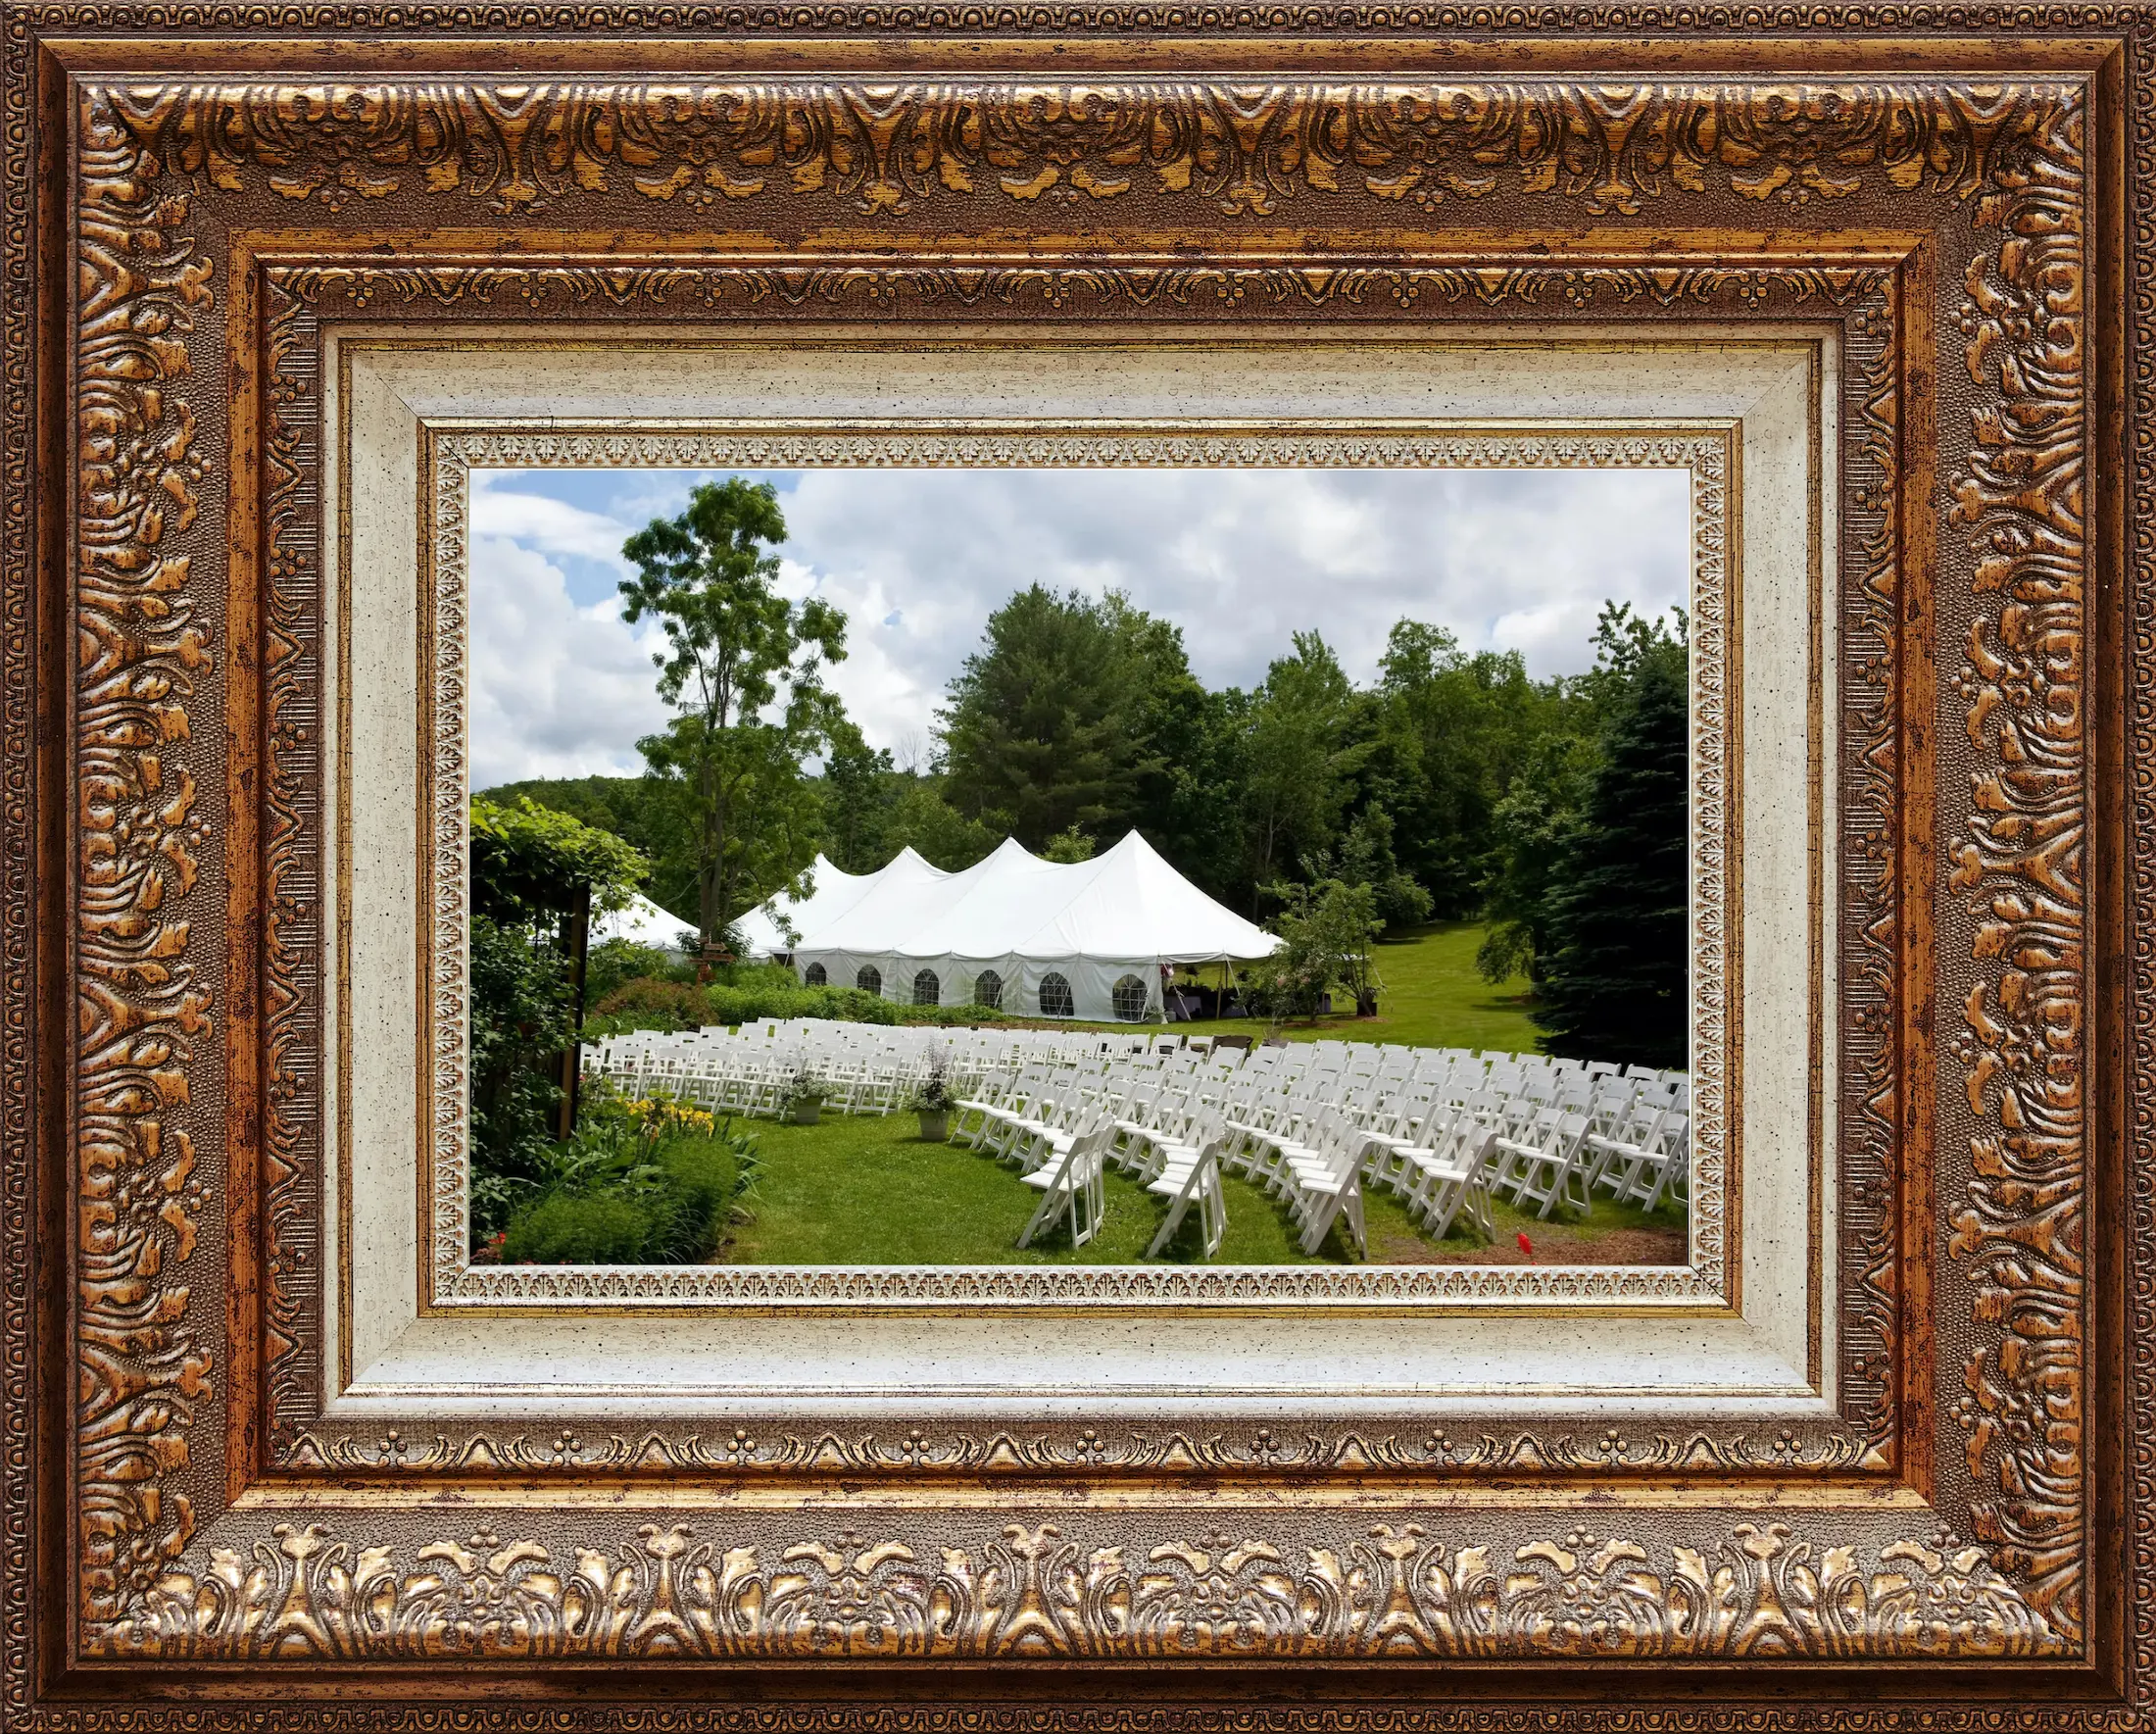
[(644, 1181), (1329, 929), (760, 993), (613, 963), (579, 1228), (769, 977), (657, 1004)]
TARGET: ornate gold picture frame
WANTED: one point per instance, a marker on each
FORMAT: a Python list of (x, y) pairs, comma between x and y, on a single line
[(1944, 1521)]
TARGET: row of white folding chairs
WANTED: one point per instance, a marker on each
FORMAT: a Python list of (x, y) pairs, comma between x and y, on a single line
[(1441, 1158), (1061, 1136), (1634, 1146), (843, 1045)]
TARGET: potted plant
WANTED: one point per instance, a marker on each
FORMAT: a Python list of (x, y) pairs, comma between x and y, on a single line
[(803, 1098), (933, 1100)]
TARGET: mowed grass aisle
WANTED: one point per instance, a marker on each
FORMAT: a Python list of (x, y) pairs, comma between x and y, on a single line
[(869, 1190)]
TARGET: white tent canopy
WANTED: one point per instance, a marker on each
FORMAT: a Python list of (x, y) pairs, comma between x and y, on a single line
[(641, 922), (1081, 939)]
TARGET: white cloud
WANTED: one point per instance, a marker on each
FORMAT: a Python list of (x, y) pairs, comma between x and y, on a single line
[(1239, 559), (531, 518), (556, 690)]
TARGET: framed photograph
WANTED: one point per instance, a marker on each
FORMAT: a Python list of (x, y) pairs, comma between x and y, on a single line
[(889, 867)]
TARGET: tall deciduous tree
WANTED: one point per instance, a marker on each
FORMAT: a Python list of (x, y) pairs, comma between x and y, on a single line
[(743, 668), (1299, 751), (857, 781), (1457, 728)]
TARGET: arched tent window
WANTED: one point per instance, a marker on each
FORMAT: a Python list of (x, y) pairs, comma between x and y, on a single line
[(1129, 999), (927, 990), (988, 989), (1056, 999), (816, 975), (871, 979)]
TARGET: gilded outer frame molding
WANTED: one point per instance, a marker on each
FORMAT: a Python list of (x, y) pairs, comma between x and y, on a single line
[(2001, 1558)]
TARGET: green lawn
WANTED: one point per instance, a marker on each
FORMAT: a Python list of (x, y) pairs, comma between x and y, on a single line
[(868, 1190), (1433, 997)]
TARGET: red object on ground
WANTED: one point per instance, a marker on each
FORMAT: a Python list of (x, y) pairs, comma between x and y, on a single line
[(1527, 1246)]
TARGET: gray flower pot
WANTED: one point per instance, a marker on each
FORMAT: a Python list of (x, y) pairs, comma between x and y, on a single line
[(805, 1113), (935, 1124)]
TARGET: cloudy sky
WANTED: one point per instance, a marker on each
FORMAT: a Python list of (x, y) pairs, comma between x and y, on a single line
[(1239, 559)]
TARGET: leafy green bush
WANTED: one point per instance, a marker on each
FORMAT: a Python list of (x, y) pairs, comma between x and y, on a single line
[(579, 1228), (1329, 929), (755, 977), (521, 1017), (529, 866), (613, 963), (655, 1004), (644, 1181)]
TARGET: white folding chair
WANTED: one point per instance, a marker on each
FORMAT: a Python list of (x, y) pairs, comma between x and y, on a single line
[(1191, 1172), (1071, 1184)]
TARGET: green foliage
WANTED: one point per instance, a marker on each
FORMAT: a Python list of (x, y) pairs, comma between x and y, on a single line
[(650, 1002), (1537, 850), (1614, 971), (1532, 834), (855, 793), (743, 669), (644, 1181), (613, 963), (1063, 718), (579, 1228), (920, 817), (522, 1014), (647, 813), (1330, 932), (1365, 857), (761, 995), (1300, 754), (934, 1094), (1453, 733), (1068, 846), (529, 862)]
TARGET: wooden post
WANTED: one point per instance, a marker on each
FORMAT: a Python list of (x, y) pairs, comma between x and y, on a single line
[(576, 945)]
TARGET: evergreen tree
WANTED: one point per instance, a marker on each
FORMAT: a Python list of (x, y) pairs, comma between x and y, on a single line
[(1066, 715), (1616, 961)]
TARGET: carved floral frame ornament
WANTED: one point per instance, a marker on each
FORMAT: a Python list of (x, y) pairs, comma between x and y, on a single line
[(1974, 199)]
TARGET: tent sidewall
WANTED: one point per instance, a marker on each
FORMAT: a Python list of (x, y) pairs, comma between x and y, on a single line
[(1092, 980)]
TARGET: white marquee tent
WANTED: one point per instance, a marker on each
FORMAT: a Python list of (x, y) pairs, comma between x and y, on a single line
[(1082, 939), (641, 922)]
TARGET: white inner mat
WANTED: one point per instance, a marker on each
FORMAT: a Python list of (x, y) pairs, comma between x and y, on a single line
[(1757, 1357)]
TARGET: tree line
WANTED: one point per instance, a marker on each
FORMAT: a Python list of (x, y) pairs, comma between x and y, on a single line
[(1451, 786)]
